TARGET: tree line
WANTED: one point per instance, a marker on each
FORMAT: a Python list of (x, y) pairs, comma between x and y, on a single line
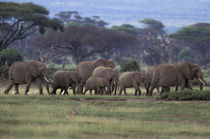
[(28, 28)]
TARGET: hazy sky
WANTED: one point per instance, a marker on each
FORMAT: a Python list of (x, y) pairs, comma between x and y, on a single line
[(173, 13)]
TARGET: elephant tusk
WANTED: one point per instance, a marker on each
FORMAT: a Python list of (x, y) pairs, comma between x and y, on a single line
[(46, 79), (201, 82)]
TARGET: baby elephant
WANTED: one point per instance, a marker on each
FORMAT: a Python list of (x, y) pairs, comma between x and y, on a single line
[(96, 83), (131, 79), (63, 80)]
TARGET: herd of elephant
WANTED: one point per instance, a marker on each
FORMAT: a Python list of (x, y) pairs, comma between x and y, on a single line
[(101, 76)]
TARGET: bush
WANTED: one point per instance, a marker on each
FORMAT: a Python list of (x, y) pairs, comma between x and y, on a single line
[(8, 56), (131, 65), (187, 95), (4, 72)]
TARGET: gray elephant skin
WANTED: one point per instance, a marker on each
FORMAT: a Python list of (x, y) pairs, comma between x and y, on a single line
[(96, 83), (148, 78), (175, 74), (85, 69), (111, 74), (131, 79), (25, 73), (64, 79)]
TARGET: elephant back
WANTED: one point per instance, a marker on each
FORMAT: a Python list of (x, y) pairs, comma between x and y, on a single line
[(17, 72), (103, 72), (165, 75), (85, 69), (126, 79)]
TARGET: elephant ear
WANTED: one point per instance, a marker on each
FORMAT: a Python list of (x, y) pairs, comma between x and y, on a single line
[(40, 69), (74, 76), (31, 67), (195, 69), (186, 70)]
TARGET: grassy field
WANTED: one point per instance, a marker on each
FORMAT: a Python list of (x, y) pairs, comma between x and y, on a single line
[(35, 116)]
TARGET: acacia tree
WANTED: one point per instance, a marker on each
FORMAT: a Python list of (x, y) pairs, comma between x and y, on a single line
[(19, 20), (74, 17), (85, 41), (156, 40), (197, 37)]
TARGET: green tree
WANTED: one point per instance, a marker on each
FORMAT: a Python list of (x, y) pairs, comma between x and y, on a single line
[(197, 37), (131, 65), (19, 20), (8, 56)]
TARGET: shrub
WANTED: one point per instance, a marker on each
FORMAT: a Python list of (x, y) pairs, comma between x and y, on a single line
[(4, 72), (8, 56), (187, 95), (131, 65)]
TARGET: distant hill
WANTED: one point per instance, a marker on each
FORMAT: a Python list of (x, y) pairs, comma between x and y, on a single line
[(173, 13)]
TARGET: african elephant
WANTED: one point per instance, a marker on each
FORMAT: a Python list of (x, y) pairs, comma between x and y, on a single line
[(96, 83), (131, 79), (148, 78), (111, 74), (64, 79), (85, 69), (176, 74), (25, 73)]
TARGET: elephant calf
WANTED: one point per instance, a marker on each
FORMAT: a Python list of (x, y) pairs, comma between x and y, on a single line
[(131, 79), (63, 80), (96, 83)]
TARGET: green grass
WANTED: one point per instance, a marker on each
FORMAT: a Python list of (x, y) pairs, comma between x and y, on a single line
[(35, 116)]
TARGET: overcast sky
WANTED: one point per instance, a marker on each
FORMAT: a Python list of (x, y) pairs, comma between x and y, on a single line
[(173, 13)]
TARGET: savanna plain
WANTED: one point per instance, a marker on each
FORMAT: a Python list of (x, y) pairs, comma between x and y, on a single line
[(79, 116)]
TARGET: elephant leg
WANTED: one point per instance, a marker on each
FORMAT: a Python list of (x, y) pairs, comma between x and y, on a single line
[(125, 91), (120, 93), (147, 89), (136, 86), (182, 84), (169, 90), (162, 91), (61, 91), (85, 91), (47, 87), (39, 85), (66, 91), (11, 83), (139, 92), (54, 90), (157, 88), (82, 87), (177, 88), (16, 88), (74, 89), (105, 90), (187, 84), (151, 90), (28, 87)]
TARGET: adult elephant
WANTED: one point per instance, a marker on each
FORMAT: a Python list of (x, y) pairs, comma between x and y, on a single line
[(64, 79), (111, 74), (25, 73), (148, 78), (85, 69), (176, 74), (131, 79)]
